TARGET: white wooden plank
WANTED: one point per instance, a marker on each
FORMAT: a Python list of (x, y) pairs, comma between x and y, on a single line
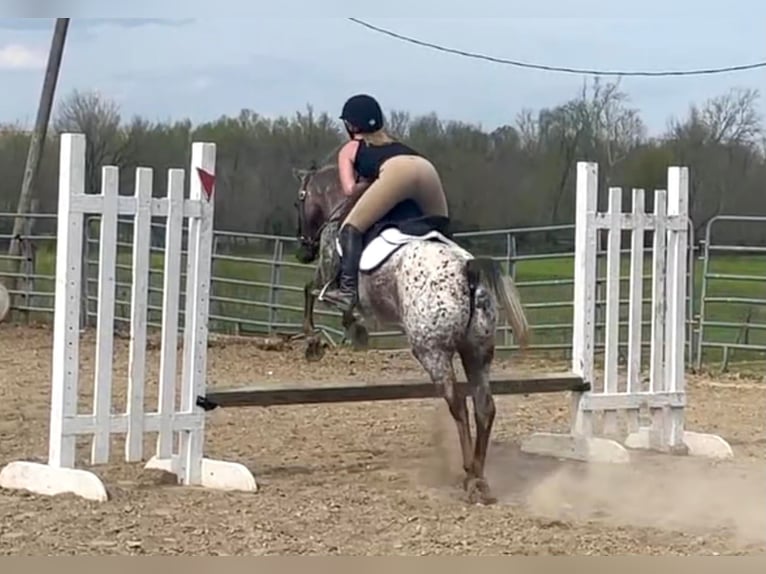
[(612, 336), (635, 305), (659, 310), (635, 299), (584, 270), (631, 221), (127, 205), (170, 305), (102, 385), (657, 350), (186, 459), (65, 360), (632, 401), (134, 440), (678, 205), (671, 282), (584, 308), (612, 331), (119, 423), (203, 163), (190, 208)]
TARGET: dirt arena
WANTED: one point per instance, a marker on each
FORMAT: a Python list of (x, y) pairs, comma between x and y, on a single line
[(383, 478)]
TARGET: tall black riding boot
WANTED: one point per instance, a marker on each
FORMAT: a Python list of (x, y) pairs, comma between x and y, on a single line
[(345, 296)]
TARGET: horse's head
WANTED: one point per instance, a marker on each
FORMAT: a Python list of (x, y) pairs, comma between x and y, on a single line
[(319, 194)]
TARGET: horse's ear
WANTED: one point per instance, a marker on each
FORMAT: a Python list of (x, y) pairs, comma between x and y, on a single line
[(313, 166)]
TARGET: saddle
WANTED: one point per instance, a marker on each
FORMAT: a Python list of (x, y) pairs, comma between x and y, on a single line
[(403, 224)]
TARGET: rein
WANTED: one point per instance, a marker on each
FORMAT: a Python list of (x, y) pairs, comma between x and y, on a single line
[(313, 242)]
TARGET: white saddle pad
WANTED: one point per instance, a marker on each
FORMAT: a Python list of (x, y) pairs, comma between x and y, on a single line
[(388, 242)]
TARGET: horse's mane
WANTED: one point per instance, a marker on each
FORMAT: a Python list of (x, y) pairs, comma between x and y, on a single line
[(332, 166), (324, 179), (329, 159)]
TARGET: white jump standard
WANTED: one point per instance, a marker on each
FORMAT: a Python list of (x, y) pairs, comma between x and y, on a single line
[(59, 475), (664, 393)]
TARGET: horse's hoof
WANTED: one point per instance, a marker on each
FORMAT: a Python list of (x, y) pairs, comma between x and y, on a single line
[(359, 336), (314, 349), (479, 492)]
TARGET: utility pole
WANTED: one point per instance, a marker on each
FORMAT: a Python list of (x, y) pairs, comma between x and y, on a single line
[(37, 142)]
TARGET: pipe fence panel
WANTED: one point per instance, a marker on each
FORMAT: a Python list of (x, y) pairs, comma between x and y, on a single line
[(258, 285)]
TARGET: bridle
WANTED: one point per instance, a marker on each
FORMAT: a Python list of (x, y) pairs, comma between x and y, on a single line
[(309, 242), (313, 242)]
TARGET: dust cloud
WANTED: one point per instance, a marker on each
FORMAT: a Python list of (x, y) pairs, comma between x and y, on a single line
[(684, 494)]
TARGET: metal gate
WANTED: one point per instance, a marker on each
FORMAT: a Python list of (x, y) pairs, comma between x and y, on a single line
[(732, 313)]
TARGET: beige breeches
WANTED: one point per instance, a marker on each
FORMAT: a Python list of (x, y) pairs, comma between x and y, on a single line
[(401, 177)]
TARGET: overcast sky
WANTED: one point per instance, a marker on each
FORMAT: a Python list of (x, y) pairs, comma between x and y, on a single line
[(204, 67)]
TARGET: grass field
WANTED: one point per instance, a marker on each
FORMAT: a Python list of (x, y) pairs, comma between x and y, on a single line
[(245, 300)]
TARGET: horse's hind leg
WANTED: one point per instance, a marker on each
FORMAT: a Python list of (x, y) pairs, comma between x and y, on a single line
[(438, 365), (476, 362), (355, 331)]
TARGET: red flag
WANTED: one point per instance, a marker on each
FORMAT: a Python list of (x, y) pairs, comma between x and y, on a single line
[(208, 182)]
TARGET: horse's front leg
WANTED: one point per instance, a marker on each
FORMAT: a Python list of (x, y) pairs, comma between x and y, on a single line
[(308, 308), (354, 327), (314, 347)]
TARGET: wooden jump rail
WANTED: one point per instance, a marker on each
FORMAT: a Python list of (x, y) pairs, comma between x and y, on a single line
[(266, 396)]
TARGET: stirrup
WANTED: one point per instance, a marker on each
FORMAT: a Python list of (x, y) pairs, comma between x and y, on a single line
[(348, 299), (324, 289)]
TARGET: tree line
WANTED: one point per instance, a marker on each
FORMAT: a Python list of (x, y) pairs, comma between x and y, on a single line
[(518, 175)]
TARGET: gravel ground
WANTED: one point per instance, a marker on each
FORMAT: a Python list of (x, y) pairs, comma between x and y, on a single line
[(382, 478)]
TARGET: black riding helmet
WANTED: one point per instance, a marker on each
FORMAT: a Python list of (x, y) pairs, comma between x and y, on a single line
[(363, 112)]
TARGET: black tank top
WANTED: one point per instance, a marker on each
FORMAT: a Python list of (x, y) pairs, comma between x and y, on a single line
[(369, 158)]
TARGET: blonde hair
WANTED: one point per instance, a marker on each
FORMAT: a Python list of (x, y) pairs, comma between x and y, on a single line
[(378, 137)]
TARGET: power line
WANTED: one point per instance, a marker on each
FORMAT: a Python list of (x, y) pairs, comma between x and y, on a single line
[(564, 69)]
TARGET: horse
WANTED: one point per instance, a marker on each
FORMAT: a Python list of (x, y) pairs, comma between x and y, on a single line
[(318, 226), (444, 300)]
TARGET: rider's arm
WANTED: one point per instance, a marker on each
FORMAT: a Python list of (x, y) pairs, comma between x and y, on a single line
[(347, 173)]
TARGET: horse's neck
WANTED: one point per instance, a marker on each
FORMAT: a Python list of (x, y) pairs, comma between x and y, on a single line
[(332, 197), (333, 206)]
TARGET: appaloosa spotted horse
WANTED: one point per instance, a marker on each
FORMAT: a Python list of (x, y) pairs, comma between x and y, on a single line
[(443, 299)]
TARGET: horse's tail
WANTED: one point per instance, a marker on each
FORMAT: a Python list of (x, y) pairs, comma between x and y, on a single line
[(505, 290)]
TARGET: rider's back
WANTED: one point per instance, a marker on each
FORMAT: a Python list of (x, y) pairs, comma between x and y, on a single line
[(370, 157)]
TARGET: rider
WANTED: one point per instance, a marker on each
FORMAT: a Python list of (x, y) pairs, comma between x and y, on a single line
[(379, 173)]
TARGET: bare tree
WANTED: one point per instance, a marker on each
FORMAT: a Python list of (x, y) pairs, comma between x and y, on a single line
[(597, 125), (611, 129), (528, 129), (398, 123), (721, 140), (98, 118), (733, 118), (618, 129)]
